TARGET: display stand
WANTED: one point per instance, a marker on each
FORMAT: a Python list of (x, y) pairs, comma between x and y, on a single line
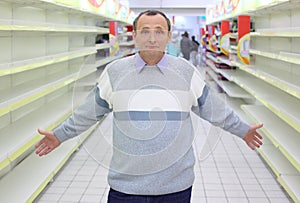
[(272, 77), (49, 62), (220, 68)]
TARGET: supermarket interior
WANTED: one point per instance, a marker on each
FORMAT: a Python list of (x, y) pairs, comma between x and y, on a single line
[(58, 58)]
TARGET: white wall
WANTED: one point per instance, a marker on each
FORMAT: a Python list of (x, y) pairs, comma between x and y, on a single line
[(189, 24)]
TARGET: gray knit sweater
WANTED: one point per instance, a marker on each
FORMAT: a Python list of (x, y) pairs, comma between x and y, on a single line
[(152, 128)]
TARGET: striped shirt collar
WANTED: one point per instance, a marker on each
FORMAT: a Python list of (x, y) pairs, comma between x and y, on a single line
[(140, 63)]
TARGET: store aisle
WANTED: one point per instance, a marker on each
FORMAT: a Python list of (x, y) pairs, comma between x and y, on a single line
[(226, 171)]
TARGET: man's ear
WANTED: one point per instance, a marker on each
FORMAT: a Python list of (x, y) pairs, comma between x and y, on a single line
[(169, 36), (133, 34)]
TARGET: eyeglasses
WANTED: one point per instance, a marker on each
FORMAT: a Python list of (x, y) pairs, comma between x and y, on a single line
[(147, 33)]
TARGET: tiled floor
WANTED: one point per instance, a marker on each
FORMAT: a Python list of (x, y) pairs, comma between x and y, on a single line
[(226, 171)]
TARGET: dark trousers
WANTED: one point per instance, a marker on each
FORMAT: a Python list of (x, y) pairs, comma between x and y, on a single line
[(177, 197)]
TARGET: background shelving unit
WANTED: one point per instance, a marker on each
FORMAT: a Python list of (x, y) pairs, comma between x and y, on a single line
[(220, 68), (272, 78), (276, 63), (50, 59)]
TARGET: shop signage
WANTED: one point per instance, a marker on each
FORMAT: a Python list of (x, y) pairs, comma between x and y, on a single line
[(106, 8), (224, 9)]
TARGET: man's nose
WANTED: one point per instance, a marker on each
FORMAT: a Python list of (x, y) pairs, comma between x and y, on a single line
[(152, 37)]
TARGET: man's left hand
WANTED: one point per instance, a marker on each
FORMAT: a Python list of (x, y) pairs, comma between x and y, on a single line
[(253, 138)]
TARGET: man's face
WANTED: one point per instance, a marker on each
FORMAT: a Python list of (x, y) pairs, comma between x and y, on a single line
[(152, 34)]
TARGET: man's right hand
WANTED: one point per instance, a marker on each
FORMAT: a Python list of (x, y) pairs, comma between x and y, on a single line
[(47, 144)]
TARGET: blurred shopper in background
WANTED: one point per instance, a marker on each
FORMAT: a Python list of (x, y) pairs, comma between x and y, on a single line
[(194, 52), (186, 46)]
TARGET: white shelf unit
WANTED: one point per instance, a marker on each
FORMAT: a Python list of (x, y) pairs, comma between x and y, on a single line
[(282, 79), (217, 71), (48, 64), (23, 173), (231, 89), (273, 79), (277, 32), (283, 156), (275, 46)]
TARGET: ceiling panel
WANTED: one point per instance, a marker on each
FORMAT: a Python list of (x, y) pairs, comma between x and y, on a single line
[(176, 11), (169, 3), (144, 3), (171, 7), (184, 4)]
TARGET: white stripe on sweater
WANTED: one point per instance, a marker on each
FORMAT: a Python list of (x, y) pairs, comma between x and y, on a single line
[(152, 100)]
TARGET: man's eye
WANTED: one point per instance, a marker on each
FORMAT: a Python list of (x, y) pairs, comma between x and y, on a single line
[(145, 32), (159, 32)]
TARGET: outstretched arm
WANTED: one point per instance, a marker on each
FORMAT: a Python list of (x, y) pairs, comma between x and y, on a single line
[(215, 110), (85, 116)]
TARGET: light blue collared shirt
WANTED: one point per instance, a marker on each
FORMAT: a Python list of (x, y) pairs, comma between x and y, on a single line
[(140, 63)]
